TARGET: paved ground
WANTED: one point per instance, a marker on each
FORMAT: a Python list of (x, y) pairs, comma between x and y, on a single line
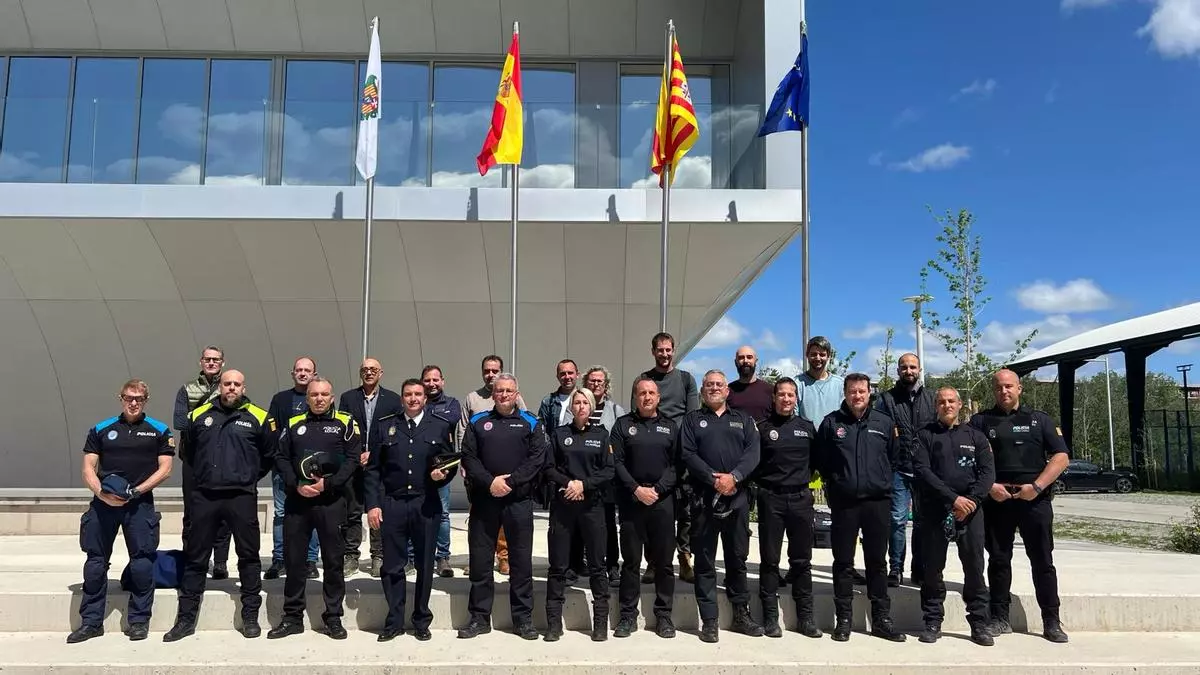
[(1137, 507)]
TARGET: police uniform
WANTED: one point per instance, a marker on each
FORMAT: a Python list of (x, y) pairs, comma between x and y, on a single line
[(230, 450), (130, 450), (645, 454), (727, 443), (948, 463), (495, 444), (397, 481), (855, 457), (335, 433), (583, 455), (785, 506), (1023, 441)]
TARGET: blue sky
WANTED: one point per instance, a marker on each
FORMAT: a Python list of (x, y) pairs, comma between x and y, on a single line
[(1068, 127)]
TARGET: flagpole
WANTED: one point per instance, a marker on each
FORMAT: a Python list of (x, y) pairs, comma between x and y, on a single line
[(664, 239), (806, 329), (516, 175), (366, 308)]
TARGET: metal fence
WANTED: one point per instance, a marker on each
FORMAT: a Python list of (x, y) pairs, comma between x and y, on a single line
[(1171, 447)]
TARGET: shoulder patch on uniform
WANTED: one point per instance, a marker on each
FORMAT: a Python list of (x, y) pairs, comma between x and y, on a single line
[(200, 410), (104, 424), (344, 417), (479, 415), (531, 418), (259, 413), (296, 419), (158, 426), (170, 441), (1058, 430), (271, 424)]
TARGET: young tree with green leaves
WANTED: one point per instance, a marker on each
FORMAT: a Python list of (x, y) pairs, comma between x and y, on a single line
[(959, 265), (886, 362)]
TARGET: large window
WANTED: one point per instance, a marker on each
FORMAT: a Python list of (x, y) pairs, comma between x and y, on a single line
[(404, 125), (35, 120), (171, 127), (103, 121), (319, 123), (548, 158), (639, 103), (236, 146)]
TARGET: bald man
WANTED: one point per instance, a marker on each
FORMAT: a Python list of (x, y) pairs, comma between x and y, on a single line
[(748, 393), (367, 404), (232, 445)]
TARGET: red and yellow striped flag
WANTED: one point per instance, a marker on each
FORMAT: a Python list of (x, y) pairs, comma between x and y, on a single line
[(506, 135), (675, 127)]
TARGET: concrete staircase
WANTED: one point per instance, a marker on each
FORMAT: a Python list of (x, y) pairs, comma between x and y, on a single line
[(1127, 611)]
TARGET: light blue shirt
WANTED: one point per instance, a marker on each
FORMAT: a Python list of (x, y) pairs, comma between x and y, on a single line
[(818, 398)]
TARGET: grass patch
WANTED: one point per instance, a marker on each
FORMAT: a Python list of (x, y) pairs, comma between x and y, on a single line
[(1113, 532)]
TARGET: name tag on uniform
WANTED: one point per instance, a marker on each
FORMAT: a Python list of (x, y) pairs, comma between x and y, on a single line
[(243, 423), (1021, 429), (662, 430), (736, 425), (592, 443), (146, 433), (800, 433), (968, 448), (876, 432), (329, 429)]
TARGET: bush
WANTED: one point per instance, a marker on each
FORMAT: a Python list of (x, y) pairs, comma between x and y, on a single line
[(1185, 536)]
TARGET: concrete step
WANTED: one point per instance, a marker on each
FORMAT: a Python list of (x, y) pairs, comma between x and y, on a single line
[(641, 654)]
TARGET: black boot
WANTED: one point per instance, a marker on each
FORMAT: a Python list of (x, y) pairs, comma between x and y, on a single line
[(770, 625), (841, 631), (931, 634), (807, 627), (883, 628), (981, 636), (999, 626), (84, 633), (600, 627), (745, 624), (1053, 631), (708, 631), (554, 629)]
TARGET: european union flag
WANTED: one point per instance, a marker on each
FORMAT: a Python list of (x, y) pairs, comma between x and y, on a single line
[(789, 108)]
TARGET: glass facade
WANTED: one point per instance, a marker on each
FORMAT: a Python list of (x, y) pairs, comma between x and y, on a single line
[(281, 121)]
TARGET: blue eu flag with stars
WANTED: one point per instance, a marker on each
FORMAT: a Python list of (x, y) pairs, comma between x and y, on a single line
[(789, 107)]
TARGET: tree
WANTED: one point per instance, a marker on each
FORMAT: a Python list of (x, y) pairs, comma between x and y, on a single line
[(959, 264), (840, 366), (885, 362), (769, 375)]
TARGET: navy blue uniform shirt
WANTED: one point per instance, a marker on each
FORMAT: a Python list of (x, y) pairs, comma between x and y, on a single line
[(129, 449)]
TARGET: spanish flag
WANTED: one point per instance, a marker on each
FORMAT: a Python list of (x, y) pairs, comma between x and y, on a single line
[(504, 138), (675, 127)]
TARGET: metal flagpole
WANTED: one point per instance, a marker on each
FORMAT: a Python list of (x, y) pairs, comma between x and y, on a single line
[(366, 309), (806, 329), (664, 142), (516, 175)]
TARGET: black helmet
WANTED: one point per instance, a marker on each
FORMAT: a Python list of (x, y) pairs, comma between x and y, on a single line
[(314, 466)]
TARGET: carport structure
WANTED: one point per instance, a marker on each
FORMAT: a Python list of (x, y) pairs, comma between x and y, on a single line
[(1137, 339)]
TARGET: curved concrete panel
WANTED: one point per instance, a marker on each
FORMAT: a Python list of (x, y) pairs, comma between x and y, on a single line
[(268, 291)]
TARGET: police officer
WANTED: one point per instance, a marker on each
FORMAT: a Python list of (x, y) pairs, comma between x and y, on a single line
[(645, 459), (401, 487), (579, 475), (504, 450), (316, 499), (232, 446), (855, 452), (911, 406), (719, 447), (124, 458), (445, 406), (785, 506), (954, 467), (1030, 454)]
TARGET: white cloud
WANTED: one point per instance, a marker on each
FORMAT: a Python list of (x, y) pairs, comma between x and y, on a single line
[(698, 365), (1052, 93), (873, 329), (937, 158), (1073, 297), (692, 172), (980, 88), (1071, 5), (725, 333), (907, 116), (768, 341), (789, 366), (876, 159), (1174, 28)]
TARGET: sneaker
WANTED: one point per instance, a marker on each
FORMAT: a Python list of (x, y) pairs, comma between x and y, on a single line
[(884, 628), (442, 568), (841, 631), (665, 628), (275, 571), (376, 567), (349, 566), (893, 581), (931, 634), (998, 627), (708, 632), (1052, 630), (311, 569), (84, 633), (220, 571), (138, 631), (625, 627)]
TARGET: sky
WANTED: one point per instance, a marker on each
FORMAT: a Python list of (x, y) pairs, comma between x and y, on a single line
[(1067, 127)]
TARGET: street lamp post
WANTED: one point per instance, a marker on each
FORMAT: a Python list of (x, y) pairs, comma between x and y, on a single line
[(1187, 413), (920, 325), (1112, 444)]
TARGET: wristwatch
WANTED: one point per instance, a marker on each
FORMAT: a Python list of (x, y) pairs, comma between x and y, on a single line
[(134, 493), (1037, 488)]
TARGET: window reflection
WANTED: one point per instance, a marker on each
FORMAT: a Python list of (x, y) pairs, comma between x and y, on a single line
[(171, 129), (404, 125), (319, 123), (639, 103), (103, 121), (35, 120), (235, 150), (548, 158)]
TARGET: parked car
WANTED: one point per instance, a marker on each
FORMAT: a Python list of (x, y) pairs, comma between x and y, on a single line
[(1082, 476)]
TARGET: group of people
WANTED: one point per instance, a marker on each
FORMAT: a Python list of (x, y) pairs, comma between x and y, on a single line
[(682, 469)]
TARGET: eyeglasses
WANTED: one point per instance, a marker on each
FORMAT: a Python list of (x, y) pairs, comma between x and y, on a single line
[(133, 399), (374, 371), (212, 359)]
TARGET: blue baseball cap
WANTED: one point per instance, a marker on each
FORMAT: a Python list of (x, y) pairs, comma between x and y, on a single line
[(115, 484)]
